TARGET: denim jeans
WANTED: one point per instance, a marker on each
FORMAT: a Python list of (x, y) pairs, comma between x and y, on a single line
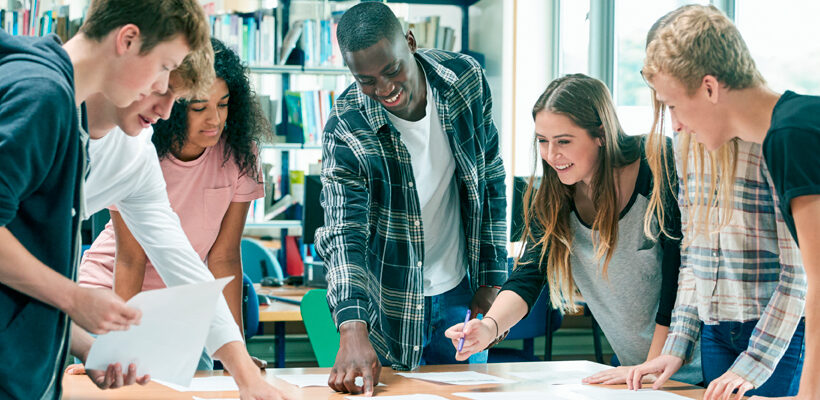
[(206, 363), (440, 313), (721, 344)]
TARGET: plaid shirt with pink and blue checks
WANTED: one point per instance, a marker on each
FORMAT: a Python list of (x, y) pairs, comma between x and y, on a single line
[(750, 269)]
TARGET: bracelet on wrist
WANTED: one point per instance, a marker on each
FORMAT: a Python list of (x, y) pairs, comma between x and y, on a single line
[(498, 338)]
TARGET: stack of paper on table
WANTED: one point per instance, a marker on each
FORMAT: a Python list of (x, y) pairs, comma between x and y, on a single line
[(168, 342), (205, 384), (574, 392), (561, 372), (405, 397), (456, 378)]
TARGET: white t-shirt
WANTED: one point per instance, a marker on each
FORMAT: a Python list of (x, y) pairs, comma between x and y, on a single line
[(125, 172), (434, 171)]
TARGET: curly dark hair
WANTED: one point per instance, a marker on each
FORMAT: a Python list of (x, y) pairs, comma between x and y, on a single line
[(245, 128)]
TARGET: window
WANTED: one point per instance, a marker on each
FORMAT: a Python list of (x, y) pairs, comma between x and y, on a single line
[(781, 37), (574, 37), (633, 18)]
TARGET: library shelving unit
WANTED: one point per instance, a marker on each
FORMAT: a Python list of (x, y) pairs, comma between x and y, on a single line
[(286, 70), (295, 66)]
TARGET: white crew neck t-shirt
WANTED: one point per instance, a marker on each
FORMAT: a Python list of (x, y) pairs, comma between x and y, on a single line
[(434, 173)]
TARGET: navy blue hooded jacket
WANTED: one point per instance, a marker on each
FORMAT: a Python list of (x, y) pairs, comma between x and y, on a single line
[(41, 160)]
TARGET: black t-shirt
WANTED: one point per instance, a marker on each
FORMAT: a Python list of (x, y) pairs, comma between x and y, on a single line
[(792, 150)]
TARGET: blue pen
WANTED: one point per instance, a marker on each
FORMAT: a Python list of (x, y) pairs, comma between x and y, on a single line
[(466, 320)]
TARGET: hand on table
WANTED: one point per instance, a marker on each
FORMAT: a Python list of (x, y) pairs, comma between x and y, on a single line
[(722, 387), (112, 377), (261, 364), (663, 366), (615, 376), (260, 389), (356, 357)]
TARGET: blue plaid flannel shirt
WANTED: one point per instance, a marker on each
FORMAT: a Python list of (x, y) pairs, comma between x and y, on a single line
[(372, 241)]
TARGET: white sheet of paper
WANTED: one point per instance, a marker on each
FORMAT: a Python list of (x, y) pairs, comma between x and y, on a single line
[(306, 380), (562, 372), (168, 342), (456, 378), (528, 395), (405, 397), (589, 392), (205, 384), (574, 392), (211, 398)]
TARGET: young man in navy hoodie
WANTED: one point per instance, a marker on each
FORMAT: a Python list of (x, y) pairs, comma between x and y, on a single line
[(124, 51)]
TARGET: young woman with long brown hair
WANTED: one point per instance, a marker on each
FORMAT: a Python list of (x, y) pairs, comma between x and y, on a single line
[(587, 229)]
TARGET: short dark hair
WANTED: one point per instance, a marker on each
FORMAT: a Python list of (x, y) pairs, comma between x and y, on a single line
[(365, 24)]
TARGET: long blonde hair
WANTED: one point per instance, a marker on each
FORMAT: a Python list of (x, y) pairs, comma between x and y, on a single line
[(687, 44), (587, 103)]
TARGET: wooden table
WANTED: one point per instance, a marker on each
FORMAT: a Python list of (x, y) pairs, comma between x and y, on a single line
[(278, 313), (80, 387)]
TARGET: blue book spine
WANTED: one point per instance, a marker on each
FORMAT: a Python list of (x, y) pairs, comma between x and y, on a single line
[(307, 116), (327, 43)]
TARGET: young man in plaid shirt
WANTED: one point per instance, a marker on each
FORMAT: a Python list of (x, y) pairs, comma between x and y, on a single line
[(414, 200)]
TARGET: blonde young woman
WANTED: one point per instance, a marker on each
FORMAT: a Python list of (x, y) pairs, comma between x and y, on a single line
[(587, 229), (742, 285)]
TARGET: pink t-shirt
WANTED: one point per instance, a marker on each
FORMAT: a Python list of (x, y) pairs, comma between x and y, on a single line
[(200, 192)]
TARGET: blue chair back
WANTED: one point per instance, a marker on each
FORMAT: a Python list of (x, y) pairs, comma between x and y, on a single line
[(250, 308), (535, 323), (258, 262)]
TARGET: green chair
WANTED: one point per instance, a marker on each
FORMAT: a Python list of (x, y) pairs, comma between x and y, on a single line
[(324, 338)]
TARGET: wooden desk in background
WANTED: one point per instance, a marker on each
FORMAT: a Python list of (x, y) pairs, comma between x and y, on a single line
[(278, 313), (78, 387)]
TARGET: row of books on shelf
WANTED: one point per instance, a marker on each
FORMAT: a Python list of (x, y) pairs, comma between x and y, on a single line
[(317, 40), (251, 35), (273, 206), (254, 37), (34, 21), (431, 35), (308, 112)]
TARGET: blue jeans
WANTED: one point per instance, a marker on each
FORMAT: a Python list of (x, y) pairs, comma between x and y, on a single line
[(721, 344), (206, 363), (440, 313)]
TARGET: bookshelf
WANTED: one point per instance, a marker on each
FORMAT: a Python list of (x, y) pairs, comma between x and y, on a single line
[(292, 146), (39, 18), (297, 69), (277, 223), (298, 65)]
